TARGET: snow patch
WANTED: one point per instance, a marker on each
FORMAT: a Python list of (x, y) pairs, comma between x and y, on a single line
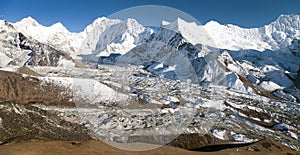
[(221, 134), (269, 86), (232, 80), (65, 63), (241, 137), (4, 60)]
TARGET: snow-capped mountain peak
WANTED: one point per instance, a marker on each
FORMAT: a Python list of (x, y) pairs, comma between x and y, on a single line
[(121, 37), (31, 28), (274, 36), (28, 21), (59, 27), (191, 31), (134, 25), (101, 23), (213, 23), (286, 21), (285, 26)]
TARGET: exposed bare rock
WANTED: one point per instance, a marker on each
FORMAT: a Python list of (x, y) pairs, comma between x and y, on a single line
[(14, 86), (18, 49), (27, 71), (22, 122)]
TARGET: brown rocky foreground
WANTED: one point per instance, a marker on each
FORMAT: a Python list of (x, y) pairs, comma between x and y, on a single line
[(28, 89), (93, 147)]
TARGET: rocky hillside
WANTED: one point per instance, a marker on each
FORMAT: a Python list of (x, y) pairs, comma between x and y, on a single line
[(19, 50), (27, 89)]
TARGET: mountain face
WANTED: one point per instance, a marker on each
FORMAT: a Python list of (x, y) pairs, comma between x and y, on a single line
[(274, 36), (113, 33), (115, 39), (249, 60), (18, 49), (252, 63)]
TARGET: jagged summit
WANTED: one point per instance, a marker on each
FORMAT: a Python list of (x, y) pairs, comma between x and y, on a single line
[(289, 24), (288, 18), (59, 27), (102, 23), (284, 26), (177, 24), (29, 21), (273, 36), (189, 30)]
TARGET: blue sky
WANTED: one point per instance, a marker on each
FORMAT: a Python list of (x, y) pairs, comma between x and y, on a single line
[(77, 14)]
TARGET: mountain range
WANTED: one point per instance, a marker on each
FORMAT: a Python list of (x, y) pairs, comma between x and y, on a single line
[(130, 83), (263, 60)]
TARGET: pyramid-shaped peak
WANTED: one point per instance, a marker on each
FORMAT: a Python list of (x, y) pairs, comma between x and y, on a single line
[(133, 22), (29, 20), (59, 26)]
